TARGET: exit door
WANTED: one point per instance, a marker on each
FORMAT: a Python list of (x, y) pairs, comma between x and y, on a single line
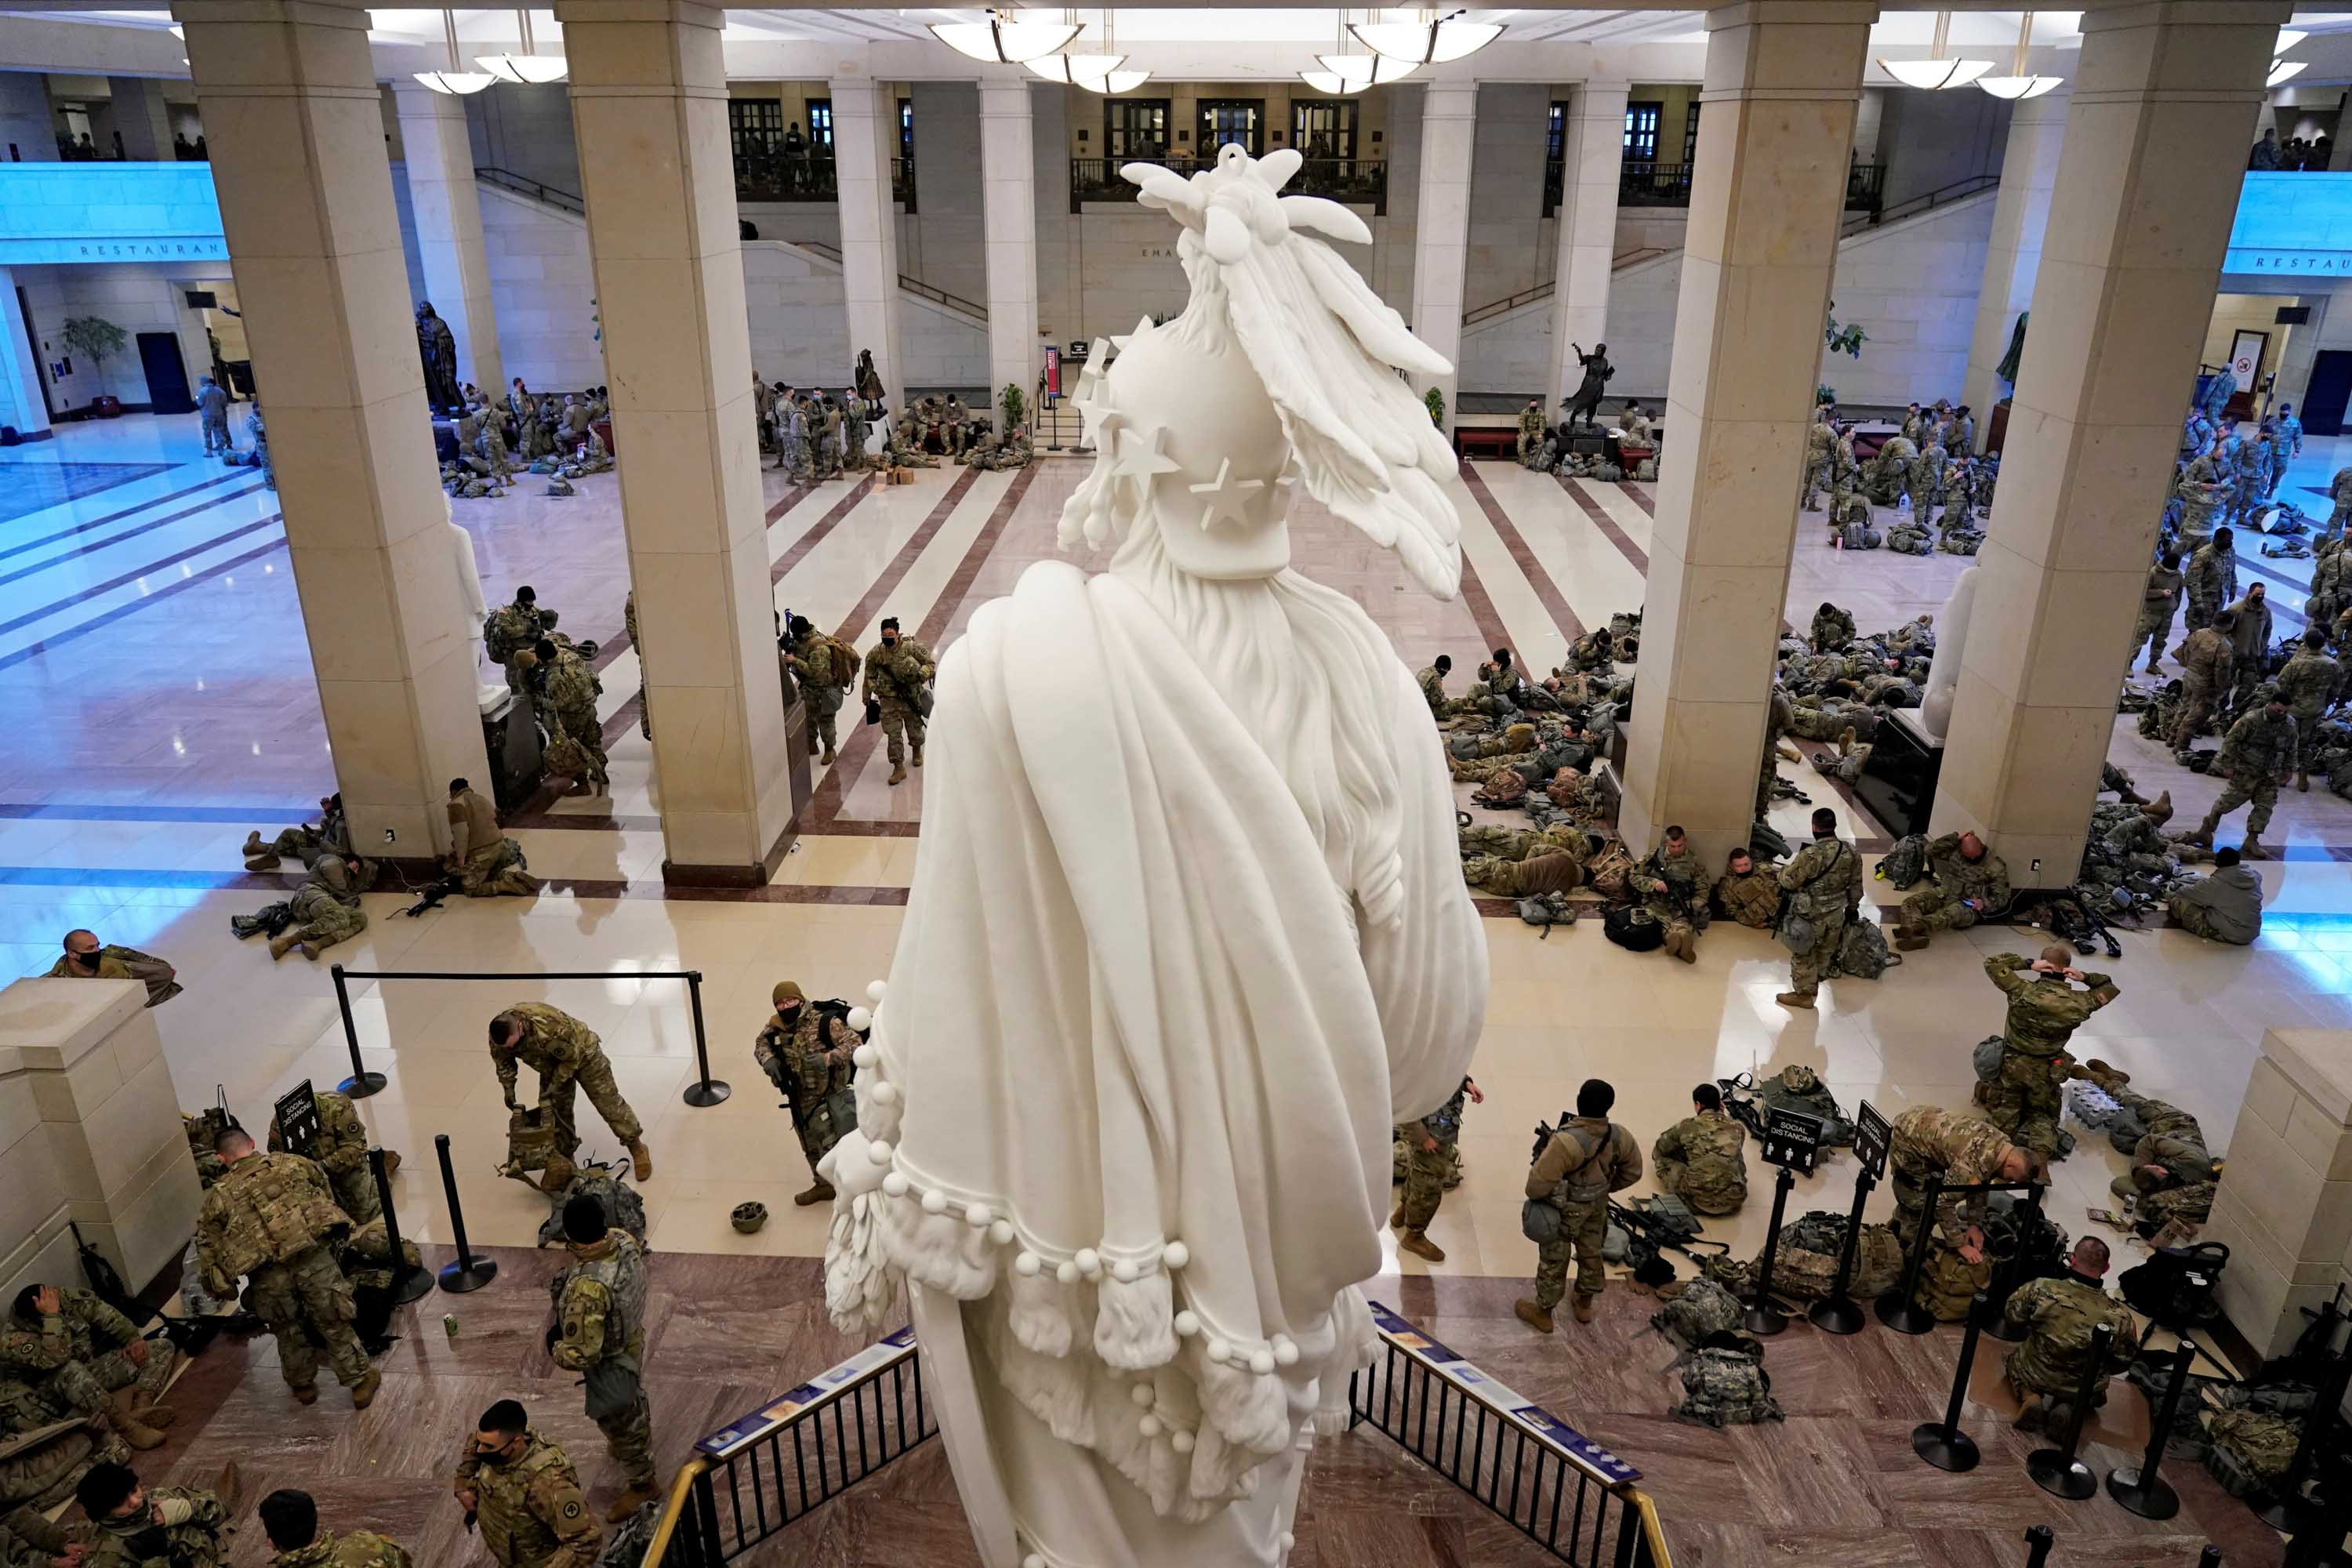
[(2328, 391), (167, 373)]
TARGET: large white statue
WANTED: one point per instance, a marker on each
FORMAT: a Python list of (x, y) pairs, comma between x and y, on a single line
[(470, 603), (1188, 934)]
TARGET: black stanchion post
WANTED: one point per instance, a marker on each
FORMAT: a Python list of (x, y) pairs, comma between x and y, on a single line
[(1899, 1309), (1942, 1443), (2143, 1491), (704, 1091), (2056, 1470), (1838, 1312), (1999, 1327), (361, 1083), (408, 1284), (1764, 1317), (2210, 1558), (2038, 1542), (468, 1273)]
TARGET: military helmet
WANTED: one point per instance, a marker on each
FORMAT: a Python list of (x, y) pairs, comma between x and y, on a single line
[(747, 1217), (1799, 1079)]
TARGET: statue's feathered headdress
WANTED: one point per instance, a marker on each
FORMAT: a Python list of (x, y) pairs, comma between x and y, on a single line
[(1327, 349)]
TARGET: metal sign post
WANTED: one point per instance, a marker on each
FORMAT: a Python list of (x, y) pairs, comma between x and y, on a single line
[(1791, 1140), (1838, 1312)]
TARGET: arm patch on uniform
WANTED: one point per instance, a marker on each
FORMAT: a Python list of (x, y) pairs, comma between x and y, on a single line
[(572, 1509)]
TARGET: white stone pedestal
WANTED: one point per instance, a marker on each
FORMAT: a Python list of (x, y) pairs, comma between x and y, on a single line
[(2284, 1209), (89, 1131)]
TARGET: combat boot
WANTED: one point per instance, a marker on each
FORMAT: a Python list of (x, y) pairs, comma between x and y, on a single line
[(283, 943), (1421, 1247), (640, 1161), (311, 950), (2099, 1069), (138, 1434), (2302, 781), (897, 773), (1533, 1316), (820, 1193), (2250, 847), (1795, 999), (919, 754), (825, 761), (1685, 947), (364, 1391), (307, 1394), (629, 1501), (1910, 938), (1582, 1306), (2204, 833)]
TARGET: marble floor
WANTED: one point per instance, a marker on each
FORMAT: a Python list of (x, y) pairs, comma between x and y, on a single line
[(154, 667)]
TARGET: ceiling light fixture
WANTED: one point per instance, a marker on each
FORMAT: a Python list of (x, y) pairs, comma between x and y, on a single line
[(2282, 69), (1935, 73), (2288, 37), (529, 69), (1003, 39), (1098, 72), (2020, 82), (1344, 72), (1432, 40), (452, 81)]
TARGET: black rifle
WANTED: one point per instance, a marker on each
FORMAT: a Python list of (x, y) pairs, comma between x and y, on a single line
[(1740, 1105)]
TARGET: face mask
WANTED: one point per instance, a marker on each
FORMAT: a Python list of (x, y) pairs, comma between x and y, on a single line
[(890, 642), (90, 960)]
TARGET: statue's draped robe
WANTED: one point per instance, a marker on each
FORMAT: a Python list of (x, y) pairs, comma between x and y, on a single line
[(1129, 1007)]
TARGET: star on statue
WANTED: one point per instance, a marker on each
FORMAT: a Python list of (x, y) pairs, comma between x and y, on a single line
[(1091, 375), (1095, 408), (1226, 498), (1138, 454), (1143, 328)]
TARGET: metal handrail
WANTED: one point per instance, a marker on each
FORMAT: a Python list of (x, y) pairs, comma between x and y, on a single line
[(1360, 181), (1544, 290), (911, 285), (674, 1511), (1942, 195), (524, 185)]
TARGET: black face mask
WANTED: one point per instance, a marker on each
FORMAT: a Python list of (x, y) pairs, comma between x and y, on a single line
[(791, 1015), (90, 960), (890, 642)]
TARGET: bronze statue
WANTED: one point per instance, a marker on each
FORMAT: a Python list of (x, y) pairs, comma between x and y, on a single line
[(437, 347)]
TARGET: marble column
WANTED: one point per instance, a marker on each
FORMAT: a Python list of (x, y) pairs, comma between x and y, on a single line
[(21, 403), (2020, 213), (29, 133), (1768, 194), (141, 119), (440, 167), (1009, 219), (649, 105), (1592, 158), (1449, 120), (291, 116), (864, 140), (2164, 96), (2284, 1210)]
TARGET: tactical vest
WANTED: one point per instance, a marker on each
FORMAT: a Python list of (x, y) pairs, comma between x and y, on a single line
[(509, 1530), (1587, 1182), (623, 1275), (278, 1209)]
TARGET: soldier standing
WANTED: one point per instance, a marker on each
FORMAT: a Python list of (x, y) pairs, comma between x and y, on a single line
[(601, 1334), (571, 690), (568, 1057), (131, 1526), (2059, 1315), (290, 1520), (339, 1148), (525, 1495), (2256, 757), (212, 406), (2205, 660), (510, 628), (76, 1356), (2044, 1011), (2212, 578), (1432, 684), (1585, 1159), (1824, 886), (853, 428), (1703, 1159), (2158, 602), (272, 1218), (1432, 1147), (629, 624), (2331, 582), (1970, 883), (2307, 684), (806, 1055), (2250, 643), (1820, 456), (825, 666), (1532, 430), (897, 671)]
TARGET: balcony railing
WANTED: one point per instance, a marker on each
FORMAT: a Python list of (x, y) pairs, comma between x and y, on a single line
[(1359, 181), (767, 170), (1669, 185)]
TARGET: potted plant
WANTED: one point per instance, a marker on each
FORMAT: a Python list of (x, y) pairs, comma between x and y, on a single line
[(1435, 401), (1015, 408), (95, 338)]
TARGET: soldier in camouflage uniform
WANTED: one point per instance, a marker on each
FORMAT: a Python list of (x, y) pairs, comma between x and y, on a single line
[(629, 624), (806, 1055), (510, 628), (825, 666), (2210, 579), (1432, 1152), (1825, 885), (486, 863), (897, 669), (600, 1333), (1970, 883), (1672, 885), (75, 1355), (2159, 602), (1748, 893), (1958, 1150), (325, 909), (571, 690), (2331, 582), (2059, 1315), (290, 1520), (1820, 458), (793, 439), (525, 1495), (2206, 656), (853, 432), (568, 1057), (2256, 757), (2308, 684), (30, 1540), (86, 958), (1702, 1159), (339, 1148), (1585, 1159), (272, 1219), (1431, 681), (1891, 475), (1531, 432), (2172, 1174), (955, 426), (2339, 490), (2044, 1011), (135, 1526)]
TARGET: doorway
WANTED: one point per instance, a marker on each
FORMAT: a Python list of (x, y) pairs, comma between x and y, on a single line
[(1234, 119), (41, 365), (167, 373), (2328, 391)]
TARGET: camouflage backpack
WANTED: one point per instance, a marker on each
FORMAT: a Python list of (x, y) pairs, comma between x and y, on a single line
[(1694, 1310), (1606, 872), (1985, 1059), (1507, 788), (1547, 910), (1806, 1265), (2251, 1450), (1904, 862), (624, 1209), (1861, 952), (1725, 1384), (1737, 1275), (531, 1141)]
